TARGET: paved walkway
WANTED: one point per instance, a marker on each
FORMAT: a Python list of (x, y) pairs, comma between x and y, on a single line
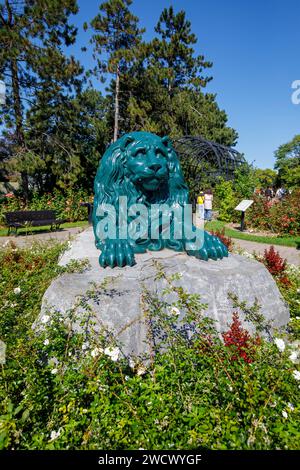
[(27, 240), (291, 254)]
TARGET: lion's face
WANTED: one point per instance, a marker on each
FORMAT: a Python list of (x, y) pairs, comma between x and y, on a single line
[(147, 163)]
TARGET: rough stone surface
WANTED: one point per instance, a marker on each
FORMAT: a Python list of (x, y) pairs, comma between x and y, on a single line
[(118, 305)]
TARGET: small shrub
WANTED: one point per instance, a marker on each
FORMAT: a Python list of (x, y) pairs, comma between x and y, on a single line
[(226, 200), (275, 264), (239, 341)]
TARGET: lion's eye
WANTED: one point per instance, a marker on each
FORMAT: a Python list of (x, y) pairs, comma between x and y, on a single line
[(140, 152)]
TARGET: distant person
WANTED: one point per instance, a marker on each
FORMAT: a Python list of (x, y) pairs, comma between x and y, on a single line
[(269, 193), (280, 193), (200, 205), (208, 199)]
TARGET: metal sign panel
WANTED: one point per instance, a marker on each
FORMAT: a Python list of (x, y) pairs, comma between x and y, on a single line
[(244, 205)]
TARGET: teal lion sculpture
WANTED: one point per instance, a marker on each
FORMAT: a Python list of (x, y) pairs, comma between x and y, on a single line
[(141, 203)]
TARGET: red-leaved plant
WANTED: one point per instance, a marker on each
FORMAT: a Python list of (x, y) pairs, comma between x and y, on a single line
[(239, 341), (221, 235), (274, 262)]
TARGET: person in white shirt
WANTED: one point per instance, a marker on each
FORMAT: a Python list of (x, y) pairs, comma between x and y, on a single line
[(208, 199)]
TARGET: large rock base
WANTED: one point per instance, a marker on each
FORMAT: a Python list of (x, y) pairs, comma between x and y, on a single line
[(117, 306)]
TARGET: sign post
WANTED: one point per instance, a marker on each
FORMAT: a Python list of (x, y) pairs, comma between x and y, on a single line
[(243, 206), (2, 92)]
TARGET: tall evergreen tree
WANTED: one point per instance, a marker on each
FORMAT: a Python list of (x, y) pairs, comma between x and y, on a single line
[(164, 88), (116, 34), (32, 33), (174, 55)]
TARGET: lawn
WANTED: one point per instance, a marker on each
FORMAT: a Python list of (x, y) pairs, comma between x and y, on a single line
[(83, 223), (285, 241)]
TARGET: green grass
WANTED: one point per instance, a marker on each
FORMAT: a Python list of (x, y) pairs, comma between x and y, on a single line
[(83, 223), (285, 241)]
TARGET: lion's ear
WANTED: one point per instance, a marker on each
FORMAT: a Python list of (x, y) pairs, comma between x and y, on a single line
[(127, 140)]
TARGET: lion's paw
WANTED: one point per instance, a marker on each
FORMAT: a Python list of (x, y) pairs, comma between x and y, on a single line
[(116, 253), (212, 248)]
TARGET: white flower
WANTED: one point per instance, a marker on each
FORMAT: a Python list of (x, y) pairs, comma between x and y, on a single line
[(280, 344), (173, 311), (296, 374), (54, 371), (17, 290), (45, 318), (291, 406), (131, 363), (293, 357), (284, 414), (95, 352), (113, 353), (46, 342), (84, 346), (141, 370), (55, 434)]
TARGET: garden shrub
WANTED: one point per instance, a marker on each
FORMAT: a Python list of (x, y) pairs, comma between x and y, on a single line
[(66, 204), (281, 217), (226, 200), (66, 390)]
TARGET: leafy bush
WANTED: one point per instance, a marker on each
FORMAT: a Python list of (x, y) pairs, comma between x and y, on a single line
[(281, 217), (66, 204), (226, 200), (275, 264), (66, 390)]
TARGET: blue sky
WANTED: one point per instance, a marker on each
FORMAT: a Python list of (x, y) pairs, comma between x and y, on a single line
[(255, 49)]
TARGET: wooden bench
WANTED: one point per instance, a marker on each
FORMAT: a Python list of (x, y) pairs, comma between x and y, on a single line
[(21, 219)]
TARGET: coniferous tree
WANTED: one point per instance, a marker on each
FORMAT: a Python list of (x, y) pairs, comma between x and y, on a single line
[(32, 33), (117, 35)]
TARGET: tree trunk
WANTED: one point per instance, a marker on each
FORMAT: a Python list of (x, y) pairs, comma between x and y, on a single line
[(17, 106), (117, 90)]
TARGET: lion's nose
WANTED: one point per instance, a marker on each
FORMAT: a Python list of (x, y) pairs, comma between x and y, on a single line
[(155, 166)]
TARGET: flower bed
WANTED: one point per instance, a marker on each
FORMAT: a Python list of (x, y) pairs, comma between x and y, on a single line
[(280, 217), (201, 392)]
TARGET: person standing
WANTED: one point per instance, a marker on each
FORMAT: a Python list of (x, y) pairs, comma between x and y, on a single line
[(208, 199), (200, 205)]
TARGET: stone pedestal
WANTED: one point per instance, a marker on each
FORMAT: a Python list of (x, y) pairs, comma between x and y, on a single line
[(118, 306)]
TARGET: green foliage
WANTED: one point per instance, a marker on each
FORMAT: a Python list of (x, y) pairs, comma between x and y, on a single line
[(244, 182), (34, 65), (265, 178), (66, 204), (192, 395), (116, 33), (288, 163), (66, 137), (226, 200)]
